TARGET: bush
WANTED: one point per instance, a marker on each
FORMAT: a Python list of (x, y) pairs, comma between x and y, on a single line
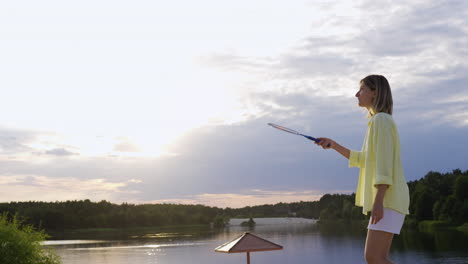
[(20, 243), (249, 223), (220, 221), (463, 228)]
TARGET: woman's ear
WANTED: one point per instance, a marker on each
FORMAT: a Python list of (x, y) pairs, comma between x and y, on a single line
[(374, 94)]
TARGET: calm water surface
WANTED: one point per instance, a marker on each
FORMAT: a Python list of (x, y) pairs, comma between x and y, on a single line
[(302, 239)]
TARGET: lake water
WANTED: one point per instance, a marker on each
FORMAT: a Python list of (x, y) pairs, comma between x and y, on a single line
[(303, 241)]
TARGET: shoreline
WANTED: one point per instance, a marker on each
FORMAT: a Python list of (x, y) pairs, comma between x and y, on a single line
[(356, 225)]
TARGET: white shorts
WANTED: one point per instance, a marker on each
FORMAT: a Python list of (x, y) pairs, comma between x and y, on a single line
[(391, 222)]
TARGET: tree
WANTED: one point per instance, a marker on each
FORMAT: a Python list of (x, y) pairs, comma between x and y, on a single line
[(423, 204), (346, 211), (20, 243), (460, 189)]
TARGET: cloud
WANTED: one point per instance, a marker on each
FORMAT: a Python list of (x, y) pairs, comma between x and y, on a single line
[(317, 64), (228, 158), (435, 103), (414, 27), (258, 197), (250, 198), (309, 86), (421, 47), (23, 144), (15, 140), (126, 146), (60, 152), (45, 188), (232, 62)]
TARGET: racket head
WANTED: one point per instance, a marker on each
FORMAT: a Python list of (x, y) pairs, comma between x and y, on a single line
[(285, 129)]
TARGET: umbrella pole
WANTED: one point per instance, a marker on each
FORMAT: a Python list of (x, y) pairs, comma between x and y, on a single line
[(248, 257)]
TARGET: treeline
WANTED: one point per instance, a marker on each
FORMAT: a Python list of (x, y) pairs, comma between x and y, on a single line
[(440, 196), (437, 196), (87, 214), (330, 206)]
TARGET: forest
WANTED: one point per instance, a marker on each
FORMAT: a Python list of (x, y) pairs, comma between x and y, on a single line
[(436, 196)]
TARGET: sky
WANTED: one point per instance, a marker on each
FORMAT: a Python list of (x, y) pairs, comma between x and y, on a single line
[(168, 101)]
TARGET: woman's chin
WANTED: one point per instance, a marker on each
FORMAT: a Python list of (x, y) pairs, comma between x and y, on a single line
[(362, 105)]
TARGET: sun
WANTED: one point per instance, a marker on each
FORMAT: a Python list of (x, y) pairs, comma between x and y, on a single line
[(143, 121)]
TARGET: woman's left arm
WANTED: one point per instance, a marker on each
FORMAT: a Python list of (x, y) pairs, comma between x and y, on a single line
[(377, 208)]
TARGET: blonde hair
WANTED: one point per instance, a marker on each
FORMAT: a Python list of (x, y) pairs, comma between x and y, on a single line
[(383, 101)]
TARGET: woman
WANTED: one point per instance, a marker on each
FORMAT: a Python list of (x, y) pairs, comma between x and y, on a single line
[(382, 188)]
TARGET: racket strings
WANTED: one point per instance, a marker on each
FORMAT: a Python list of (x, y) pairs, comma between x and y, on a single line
[(284, 128)]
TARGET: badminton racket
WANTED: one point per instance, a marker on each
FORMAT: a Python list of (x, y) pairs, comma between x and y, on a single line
[(285, 129)]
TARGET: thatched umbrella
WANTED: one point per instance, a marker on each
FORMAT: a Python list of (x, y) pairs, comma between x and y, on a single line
[(247, 243)]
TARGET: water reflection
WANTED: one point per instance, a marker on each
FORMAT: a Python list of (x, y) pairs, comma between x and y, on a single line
[(304, 242), (441, 240)]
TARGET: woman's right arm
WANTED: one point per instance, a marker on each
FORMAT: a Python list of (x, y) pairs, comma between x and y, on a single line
[(327, 143), (342, 150)]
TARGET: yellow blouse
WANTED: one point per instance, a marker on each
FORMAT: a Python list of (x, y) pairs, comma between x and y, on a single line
[(379, 162)]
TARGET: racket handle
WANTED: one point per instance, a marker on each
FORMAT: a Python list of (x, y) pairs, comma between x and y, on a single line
[(316, 140), (313, 139)]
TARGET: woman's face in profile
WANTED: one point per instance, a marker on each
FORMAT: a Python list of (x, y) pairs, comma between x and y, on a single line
[(365, 96)]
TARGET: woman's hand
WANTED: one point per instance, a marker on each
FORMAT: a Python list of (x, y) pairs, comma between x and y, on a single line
[(377, 213), (325, 143)]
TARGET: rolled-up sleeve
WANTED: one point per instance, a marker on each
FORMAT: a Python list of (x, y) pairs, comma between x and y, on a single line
[(384, 151), (355, 158)]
